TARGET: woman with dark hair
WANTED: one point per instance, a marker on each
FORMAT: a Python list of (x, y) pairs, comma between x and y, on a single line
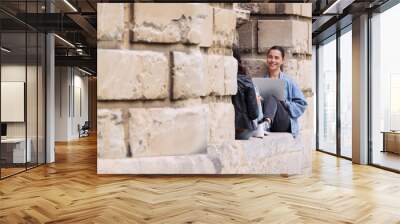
[(244, 102), (281, 116)]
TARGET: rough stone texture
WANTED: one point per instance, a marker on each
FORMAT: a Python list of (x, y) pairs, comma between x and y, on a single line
[(255, 67), (110, 135), (301, 71), (177, 85), (188, 77), (110, 21), (124, 74), (168, 131), (222, 122), (172, 23), (215, 74), (248, 36), (191, 164), (242, 16), (275, 154), (230, 75), (299, 9), (224, 27), (292, 34)]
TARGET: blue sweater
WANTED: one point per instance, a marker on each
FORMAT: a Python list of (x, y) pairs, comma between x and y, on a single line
[(294, 100)]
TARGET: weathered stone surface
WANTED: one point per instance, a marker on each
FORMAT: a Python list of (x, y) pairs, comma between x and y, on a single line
[(255, 67), (168, 131), (188, 75), (230, 71), (301, 71), (110, 134), (287, 33), (125, 74), (110, 21), (222, 122), (300, 9), (215, 74), (224, 27), (190, 164), (172, 23), (242, 16), (248, 37), (278, 153)]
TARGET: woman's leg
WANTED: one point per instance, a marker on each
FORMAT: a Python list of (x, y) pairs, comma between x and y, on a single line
[(276, 112)]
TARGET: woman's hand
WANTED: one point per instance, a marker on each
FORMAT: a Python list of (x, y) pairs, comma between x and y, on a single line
[(259, 99)]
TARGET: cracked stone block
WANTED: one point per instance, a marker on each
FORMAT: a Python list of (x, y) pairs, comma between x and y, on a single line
[(168, 131), (172, 23), (230, 75), (224, 27), (189, 80), (110, 134), (292, 34), (110, 21), (126, 75)]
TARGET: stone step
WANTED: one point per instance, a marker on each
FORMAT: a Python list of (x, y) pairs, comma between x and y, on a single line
[(278, 153)]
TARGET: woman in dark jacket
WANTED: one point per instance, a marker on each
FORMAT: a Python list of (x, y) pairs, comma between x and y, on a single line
[(244, 102)]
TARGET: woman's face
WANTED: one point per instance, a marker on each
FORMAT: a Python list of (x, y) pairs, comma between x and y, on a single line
[(274, 60)]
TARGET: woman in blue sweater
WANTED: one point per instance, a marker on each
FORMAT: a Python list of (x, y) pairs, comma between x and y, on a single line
[(281, 116)]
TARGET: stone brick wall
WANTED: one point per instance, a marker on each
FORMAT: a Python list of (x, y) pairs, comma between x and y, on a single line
[(288, 25), (165, 77)]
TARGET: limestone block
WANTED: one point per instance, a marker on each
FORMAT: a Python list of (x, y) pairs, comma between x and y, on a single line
[(125, 74), (300, 71), (110, 134), (172, 23), (255, 67), (110, 21), (247, 36), (189, 80), (168, 131), (278, 153), (286, 33), (300, 9), (224, 27), (190, 164), (215, 74), (242, 16), (230, 75), (222, 122)]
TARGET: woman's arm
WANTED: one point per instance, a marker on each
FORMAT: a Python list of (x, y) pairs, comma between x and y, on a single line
[(297, 105)]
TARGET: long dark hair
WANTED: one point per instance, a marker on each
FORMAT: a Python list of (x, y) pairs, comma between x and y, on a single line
[(236, 55), (280, 49)]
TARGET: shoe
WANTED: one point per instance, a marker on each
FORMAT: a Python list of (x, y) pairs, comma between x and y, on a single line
[(259, 133), (267, 126)]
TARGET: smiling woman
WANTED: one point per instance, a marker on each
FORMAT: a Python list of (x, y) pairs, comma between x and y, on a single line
[(282, 115)]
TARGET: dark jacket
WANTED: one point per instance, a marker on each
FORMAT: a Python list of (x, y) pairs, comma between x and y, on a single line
[(245, 103)]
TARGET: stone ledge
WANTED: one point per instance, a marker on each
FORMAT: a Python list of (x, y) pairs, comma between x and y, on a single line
[(278, 153)]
